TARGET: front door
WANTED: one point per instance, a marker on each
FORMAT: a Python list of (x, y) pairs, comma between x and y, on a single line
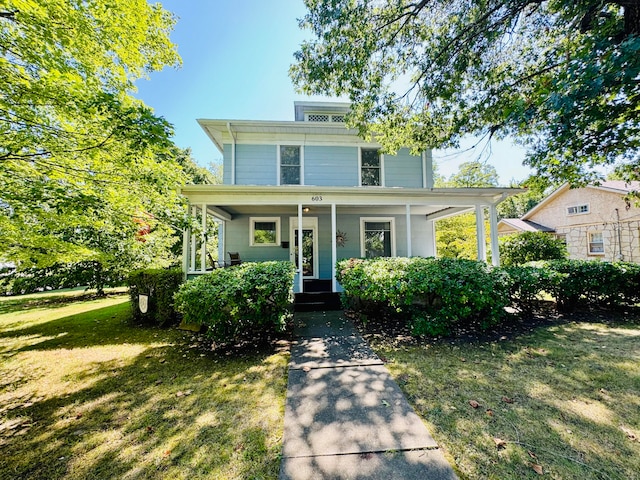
[(309, 246)]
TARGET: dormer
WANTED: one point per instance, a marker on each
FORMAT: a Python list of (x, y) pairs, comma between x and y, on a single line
[(321, 112)]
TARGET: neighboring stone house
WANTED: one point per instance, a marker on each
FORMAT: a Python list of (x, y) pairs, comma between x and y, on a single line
[(596, 222)]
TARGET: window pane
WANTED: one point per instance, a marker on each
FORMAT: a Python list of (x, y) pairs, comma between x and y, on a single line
[(290, 175), (289, 155), (371, 176), (596, 243), (370, 158), (377, 239), (264, 232)]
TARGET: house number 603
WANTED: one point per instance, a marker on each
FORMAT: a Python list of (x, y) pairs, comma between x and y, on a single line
[(316, 198)]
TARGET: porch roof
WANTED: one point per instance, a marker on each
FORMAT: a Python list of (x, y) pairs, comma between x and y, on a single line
[(229, 200)]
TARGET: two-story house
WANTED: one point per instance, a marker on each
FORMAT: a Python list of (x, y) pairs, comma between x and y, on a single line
[(316, 180), (595, 222)]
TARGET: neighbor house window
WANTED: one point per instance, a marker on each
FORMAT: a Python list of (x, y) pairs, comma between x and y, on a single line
[(577, 209), (264, 231), (290, 165), (596, 243), (378, 237), (370, 167)]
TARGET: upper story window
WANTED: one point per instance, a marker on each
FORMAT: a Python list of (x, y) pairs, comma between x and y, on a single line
[(324, 117), (290, 164), (578, 209), (370, 167)]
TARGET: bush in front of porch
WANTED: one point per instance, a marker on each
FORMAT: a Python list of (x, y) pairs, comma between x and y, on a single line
[(247, 299), (438, 294)]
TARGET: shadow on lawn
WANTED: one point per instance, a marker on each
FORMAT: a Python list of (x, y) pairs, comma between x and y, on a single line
[(564, 397), (164, 409)]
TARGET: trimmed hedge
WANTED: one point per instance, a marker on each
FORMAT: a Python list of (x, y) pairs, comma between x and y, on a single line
[(439, 295), (161, 285), (252, 298), (575, 283)]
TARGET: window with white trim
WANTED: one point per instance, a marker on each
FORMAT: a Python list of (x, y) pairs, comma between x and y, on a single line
[(596, 243), (264, 231), (290, 163), (370, 167), (578, 209), (377, 237)]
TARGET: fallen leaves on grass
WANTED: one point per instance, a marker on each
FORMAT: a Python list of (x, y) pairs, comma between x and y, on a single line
[(500, 444), (474, 403), (537, 468), (507, 400)]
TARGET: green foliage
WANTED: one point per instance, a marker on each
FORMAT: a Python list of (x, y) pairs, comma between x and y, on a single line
[(524, 247), (474, 174), (527, 285), (559, 76), (84, 165), (89, 274), (593, 283), (160, 285), (440, 295), (252, 298), (456, 236)]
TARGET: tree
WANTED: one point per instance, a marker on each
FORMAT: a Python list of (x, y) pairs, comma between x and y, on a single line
[(456, 236), (517, 205), (85, 168), (474, 174), (523, 247), (559, 76)]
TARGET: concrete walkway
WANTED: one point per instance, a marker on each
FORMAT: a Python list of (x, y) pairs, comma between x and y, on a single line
[(345, 417)]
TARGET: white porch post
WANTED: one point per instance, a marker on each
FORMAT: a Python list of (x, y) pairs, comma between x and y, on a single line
[(221, 241), (482, 248), (300, 257), (203, 247), (408, 208), (185, 250), (192, 256), (493, 224), (334, 249)]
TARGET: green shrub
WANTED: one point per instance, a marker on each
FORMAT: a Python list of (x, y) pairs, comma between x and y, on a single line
[(91, 274), (438, 294), (593, 283), (527, 283), (246, 299), (160, 285), (520, 248)]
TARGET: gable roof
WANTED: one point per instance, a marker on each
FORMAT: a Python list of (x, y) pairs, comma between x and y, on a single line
[(526, 225), (613, 186)]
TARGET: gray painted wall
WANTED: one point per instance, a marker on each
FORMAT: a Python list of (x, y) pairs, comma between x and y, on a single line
[(237, 239), (323, 166), (403, 170), (256, 165), (331, 166)]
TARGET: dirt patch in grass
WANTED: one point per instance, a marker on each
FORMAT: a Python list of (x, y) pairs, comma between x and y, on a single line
[(84, 394), (557, 395)]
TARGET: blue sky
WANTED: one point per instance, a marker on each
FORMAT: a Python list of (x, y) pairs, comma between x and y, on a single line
[(236, 57)]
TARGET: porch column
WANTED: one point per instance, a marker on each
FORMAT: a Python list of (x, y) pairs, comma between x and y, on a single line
[(203, 247), (482, 248), (221, 241), (493, 224), (334, 249), (192, 256), (300, 257), (408, 208), (185, 249)]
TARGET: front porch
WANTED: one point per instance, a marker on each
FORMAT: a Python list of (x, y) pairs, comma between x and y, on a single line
[(264, 223)]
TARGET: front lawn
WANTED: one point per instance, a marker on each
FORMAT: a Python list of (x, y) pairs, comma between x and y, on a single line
[(83, 394), (561, 400)]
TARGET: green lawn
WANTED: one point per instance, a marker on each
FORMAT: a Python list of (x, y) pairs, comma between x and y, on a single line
[(563, 400), (85, 395)]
